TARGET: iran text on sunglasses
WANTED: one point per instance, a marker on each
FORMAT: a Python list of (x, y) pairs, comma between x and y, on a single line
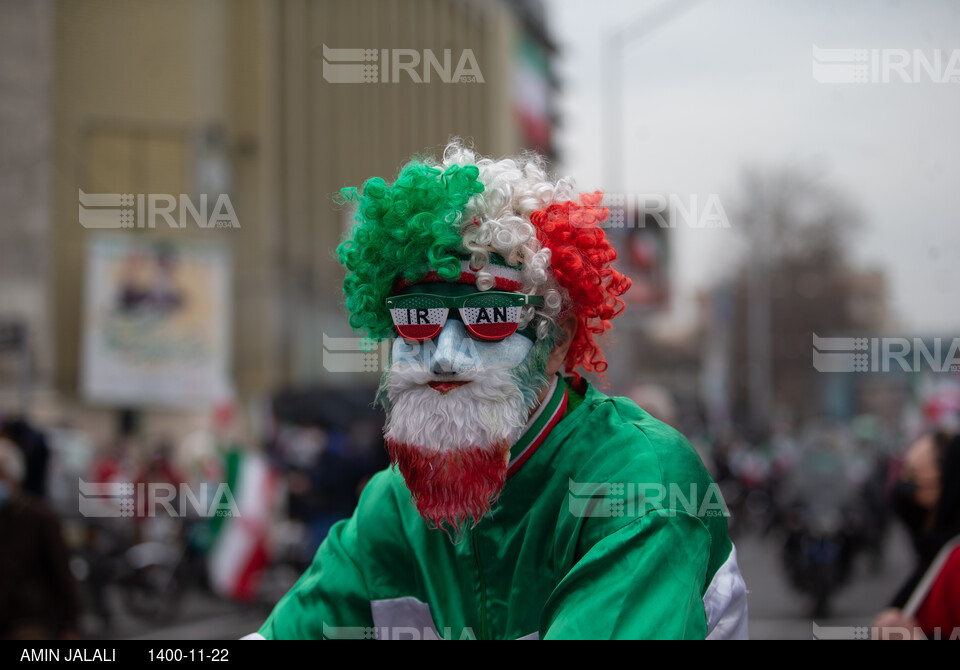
[(491, 315)]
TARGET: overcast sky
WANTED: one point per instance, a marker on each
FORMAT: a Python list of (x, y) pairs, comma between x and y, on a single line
[(727, 85)]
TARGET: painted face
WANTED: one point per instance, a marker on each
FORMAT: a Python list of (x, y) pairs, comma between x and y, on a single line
[(465, 344), (455, 404), (454, 354)]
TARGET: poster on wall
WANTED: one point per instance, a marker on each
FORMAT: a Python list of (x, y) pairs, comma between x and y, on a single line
[(156, 322)]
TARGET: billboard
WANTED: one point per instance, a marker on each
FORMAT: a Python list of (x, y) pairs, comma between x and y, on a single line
[(156, 322)]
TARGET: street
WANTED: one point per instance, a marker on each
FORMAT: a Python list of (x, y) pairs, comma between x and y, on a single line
[(776, 611)]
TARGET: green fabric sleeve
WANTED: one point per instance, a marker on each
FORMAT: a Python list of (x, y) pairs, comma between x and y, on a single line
[(330, 594), (332, 598), (644, 581)]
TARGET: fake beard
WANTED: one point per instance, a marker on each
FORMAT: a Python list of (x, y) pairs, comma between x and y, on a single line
[(453, 448)]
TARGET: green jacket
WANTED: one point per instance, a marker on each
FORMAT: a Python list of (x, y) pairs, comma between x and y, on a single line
[(609, 526)]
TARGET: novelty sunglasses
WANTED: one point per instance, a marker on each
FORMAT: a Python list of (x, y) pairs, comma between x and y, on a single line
[(491, 316)]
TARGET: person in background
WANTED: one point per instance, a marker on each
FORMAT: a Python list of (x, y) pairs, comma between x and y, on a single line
[(38, 595), (36, 453), (927, 499)]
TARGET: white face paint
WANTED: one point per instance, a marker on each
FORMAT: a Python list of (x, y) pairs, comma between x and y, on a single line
[(454, 355), (455, 392)]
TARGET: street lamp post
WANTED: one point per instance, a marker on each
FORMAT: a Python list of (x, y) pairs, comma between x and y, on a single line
[(613, 48)]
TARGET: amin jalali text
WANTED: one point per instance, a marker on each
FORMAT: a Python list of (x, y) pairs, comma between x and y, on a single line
[(77, 654)]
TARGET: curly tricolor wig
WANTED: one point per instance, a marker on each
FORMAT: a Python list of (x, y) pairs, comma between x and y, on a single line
[(488, 213)]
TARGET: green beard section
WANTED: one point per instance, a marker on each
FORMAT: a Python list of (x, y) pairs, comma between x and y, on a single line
[(531, 374)]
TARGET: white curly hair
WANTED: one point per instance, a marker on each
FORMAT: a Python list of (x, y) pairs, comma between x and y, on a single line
[(498, 221)]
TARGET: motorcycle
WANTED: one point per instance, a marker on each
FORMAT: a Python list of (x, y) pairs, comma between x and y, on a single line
[(819, 551), (148, 577)]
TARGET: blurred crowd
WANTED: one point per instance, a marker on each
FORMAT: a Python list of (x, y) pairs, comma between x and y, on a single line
[(92, 532)]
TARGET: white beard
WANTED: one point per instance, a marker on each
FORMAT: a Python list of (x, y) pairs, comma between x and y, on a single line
[(453, 448), (489, 410)]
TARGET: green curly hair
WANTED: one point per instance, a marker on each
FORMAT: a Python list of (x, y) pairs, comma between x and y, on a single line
[(403, 230)]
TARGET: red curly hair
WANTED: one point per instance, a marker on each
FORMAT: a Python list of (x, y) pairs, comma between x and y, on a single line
[(581, 258)]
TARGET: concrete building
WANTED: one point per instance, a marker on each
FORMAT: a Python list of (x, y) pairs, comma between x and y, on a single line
[(243, 98)]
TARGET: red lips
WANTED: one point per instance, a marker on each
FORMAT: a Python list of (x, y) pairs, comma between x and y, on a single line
[(445, 387)]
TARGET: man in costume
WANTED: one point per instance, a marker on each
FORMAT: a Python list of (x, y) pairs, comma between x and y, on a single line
[(523, 503)]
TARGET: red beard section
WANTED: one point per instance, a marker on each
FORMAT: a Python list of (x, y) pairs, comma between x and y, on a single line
[(450, 486)]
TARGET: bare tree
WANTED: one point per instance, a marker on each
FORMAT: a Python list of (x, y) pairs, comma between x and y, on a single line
[(796, 280)]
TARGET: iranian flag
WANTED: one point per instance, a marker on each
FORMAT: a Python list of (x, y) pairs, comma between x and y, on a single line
[(492, 322), (240, 549), (419, 323)]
